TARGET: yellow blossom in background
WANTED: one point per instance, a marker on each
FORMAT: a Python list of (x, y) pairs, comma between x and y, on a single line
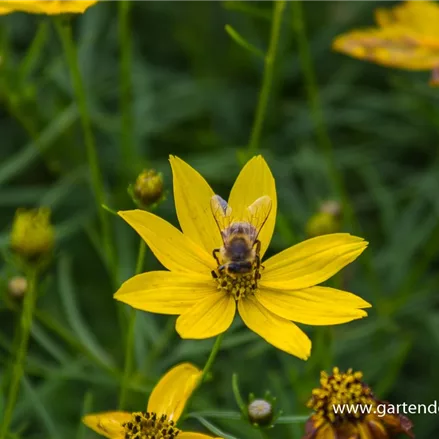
[(32, 235), (346, 389), (165, 406), (282, 290), (406, 37), (50, 7)]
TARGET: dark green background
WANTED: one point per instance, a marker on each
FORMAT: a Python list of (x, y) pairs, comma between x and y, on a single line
[(194, 95)]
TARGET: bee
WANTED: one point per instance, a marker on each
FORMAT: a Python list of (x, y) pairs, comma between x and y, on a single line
[(240, 253)]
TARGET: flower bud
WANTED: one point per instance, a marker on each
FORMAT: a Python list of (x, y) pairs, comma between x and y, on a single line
[(260, 412), (148, 188), (32, 236), (326, 221), (17, 287)]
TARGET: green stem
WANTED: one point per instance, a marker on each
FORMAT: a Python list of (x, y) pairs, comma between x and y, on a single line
[(322, 133), (267, 78), (141, 257), (130, 339), (125, 40), (18, 367), (211, 359), (65, 33), (213, 353), (316, 106)]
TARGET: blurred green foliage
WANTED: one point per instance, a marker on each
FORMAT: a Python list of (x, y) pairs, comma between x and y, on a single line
[(194, 95)]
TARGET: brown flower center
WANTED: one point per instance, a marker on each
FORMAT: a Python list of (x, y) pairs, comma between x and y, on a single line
[(146, 425), (341, 397), (240, 285)]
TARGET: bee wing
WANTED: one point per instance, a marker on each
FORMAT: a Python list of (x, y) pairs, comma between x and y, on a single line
[(258, 213), (222, 212)]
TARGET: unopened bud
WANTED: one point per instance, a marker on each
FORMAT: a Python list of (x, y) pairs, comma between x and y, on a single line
[(32, 236), (17, 287), (326, 221), (332, 207), (148, 188), (260, 412)]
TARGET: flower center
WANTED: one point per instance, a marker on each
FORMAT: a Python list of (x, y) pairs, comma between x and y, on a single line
[(346, 392), (240, 285), (147, 425)]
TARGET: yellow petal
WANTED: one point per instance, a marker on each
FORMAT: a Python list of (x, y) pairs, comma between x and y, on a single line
[(277, 331), (173, 390), (108, 424), (173, 249), (326, 432), (192, 195), (191, 435), (365, 432), (313, 306), (255, 180), (392, 47), (209, 317), (165, 292), (50, 7), (311, 262)]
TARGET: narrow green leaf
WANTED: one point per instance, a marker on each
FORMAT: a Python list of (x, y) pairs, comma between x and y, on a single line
[(73, 314), (217, 414), (292, 419), (241, 41), (40, 409), (20, 161), (212, 428), (47, 343)]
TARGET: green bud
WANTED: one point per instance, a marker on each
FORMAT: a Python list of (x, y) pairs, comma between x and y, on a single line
[(33, 236), (326, 221), (148, 188)]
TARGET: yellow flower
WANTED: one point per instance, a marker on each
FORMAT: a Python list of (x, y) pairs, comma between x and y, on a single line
[(50, 7), (165, 406), (406, 37), (206, 298), (32, 236), (369, 418)]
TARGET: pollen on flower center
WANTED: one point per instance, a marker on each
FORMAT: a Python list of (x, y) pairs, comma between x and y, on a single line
[(148, 425), (341, 389), (239, 286)]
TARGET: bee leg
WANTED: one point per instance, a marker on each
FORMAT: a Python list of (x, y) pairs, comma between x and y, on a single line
[(214, 274), (214, 254), (257, 254)]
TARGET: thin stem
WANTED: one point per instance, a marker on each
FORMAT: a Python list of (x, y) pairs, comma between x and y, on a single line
[(141, 257), (18, 367), (316, 106), (130, 339), (65, 33), (211, 359), (213, 353), (125, 41), (322, 132), (267, 78)]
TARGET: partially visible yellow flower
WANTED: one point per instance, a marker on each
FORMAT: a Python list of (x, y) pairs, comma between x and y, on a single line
[(268, 298), (32, 236), (50, 7), (345, 408), (165, 406), (406, 37)]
